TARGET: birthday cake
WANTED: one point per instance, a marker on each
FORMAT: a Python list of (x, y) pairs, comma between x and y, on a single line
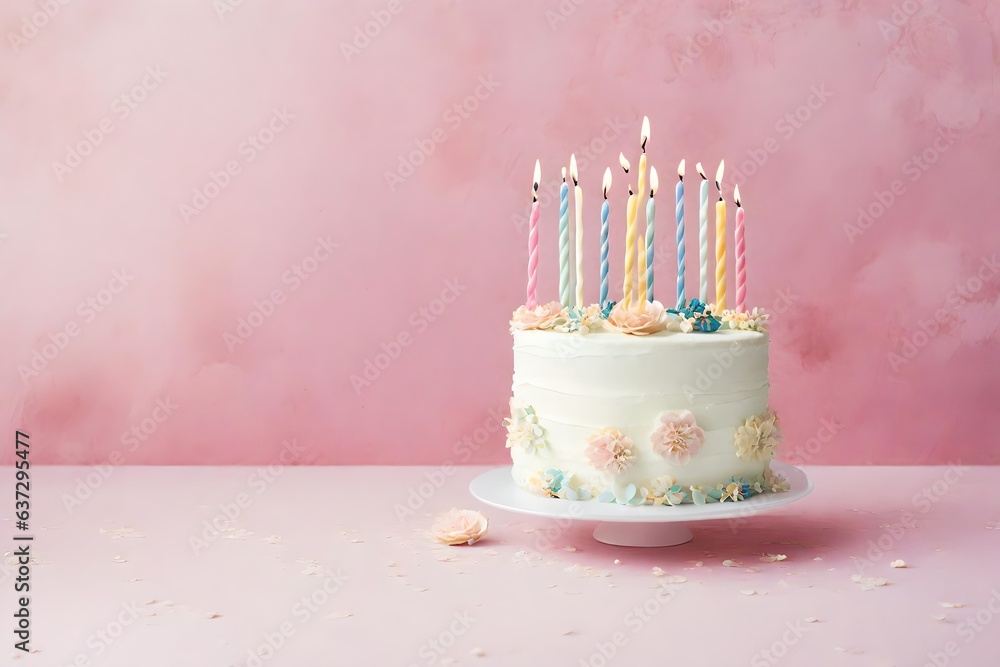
[(631, 402)]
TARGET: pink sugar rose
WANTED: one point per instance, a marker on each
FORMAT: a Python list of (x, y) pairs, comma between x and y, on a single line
[(460, 527), (639, 319), (610, 450), (542, 316), (677, 436)]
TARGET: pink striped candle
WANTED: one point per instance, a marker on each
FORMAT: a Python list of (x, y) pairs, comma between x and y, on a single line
[(532, 299), (741, 258)]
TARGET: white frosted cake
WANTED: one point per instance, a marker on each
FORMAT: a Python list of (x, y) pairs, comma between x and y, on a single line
[(664, 418)]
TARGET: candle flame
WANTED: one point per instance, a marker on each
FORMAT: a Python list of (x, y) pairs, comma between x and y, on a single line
[(624, 162), (680, 170), (654, 182), (644, 136), (607, 181), (736, 195), (701, 171), (564, 174), (718, 176), (572, 169), (537, 179)]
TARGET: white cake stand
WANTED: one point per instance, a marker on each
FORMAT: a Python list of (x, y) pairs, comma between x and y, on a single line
[(642, 526)]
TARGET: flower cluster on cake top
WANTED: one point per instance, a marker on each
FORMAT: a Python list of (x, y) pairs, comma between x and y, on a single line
[(638, 318)]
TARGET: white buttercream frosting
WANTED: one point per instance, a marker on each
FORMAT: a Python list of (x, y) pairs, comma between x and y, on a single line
[(578, 385)]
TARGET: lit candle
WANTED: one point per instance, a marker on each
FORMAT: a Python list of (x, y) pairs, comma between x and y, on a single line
[(643, 138), (605, 209), (629, 237), (564, 242), (654, 184), (532, 300), (741, 258), (679, 213), (578, 194), (720, 243), (703, 236)]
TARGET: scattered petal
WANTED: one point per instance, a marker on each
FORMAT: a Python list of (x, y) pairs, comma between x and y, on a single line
[(617, 562), (749, 592), (658, 572), (239, 534), (568, 548), (357, 540), (818, 558), (811, 619), (118, 559), (897, 563), (731, 563), (478, 652), (213, 615), (676, 579), (772, 558), (952, 605), (939, 617), (121, 531), (341, 614)]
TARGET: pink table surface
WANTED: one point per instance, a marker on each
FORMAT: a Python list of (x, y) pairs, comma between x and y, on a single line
[(323, 563)]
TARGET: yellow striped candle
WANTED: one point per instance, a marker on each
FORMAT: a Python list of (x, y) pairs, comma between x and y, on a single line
[(629, 237)]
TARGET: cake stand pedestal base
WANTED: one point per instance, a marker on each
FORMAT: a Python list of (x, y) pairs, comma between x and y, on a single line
[(642, 534)]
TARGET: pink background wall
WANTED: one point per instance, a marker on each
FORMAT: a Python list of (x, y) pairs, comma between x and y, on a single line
[(156, 334)]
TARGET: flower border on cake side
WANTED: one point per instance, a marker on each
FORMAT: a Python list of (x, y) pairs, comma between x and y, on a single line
[(663, 490)]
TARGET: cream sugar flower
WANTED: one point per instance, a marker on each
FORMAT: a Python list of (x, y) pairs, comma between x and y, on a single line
[(758, 436), (677, 436), (775, 482), (460, 527), (542, 316), (751, 320), (639, 319), (523, 429)]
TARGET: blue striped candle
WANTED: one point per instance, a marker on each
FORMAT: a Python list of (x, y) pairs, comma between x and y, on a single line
[(564, 242)]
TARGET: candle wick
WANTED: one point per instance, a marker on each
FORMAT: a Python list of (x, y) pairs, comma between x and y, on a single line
[(680, 178)]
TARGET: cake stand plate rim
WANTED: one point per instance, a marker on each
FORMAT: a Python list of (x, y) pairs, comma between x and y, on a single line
[(496, 488)]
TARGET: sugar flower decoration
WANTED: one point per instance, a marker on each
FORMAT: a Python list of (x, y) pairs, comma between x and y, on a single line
[(757, 437), (751, 320), (775, 482), (542, 316), (523, 430), (460, 527), (638, 319), (695, 316), (581, 320), (677, 436), (732, 491), (610, 450)]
